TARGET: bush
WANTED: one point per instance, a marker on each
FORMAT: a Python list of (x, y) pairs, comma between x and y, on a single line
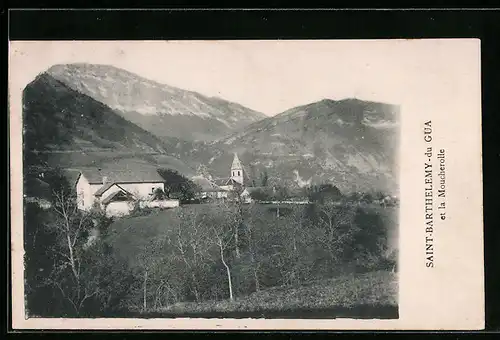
[(159, 194), (175, 256), (137, 210), (178, 186), (260, 195), (51, 288), (323, 193)]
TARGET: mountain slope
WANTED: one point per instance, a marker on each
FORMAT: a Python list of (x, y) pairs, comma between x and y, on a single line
[(64, 119), (351, 143), (164, 110), (72, 129)]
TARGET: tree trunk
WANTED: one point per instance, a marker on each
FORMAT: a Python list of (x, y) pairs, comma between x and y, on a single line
[(158, 295), (255, 271), (228, 271), (238, 224), (236, 241), (195, 289), (72, 257), (144, 302), (256, 278)]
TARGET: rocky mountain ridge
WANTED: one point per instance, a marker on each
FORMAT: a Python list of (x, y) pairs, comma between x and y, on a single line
[(164, 110)]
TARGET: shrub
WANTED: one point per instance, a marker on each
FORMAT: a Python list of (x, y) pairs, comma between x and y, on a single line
[(260, 195), (178, 186), (323, 193)]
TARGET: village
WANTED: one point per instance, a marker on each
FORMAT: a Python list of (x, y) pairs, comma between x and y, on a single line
[(119, 192), (197, 231), (142, 199)]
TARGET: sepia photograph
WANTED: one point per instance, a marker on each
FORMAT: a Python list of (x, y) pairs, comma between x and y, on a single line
[(152, 193), (246, 184)]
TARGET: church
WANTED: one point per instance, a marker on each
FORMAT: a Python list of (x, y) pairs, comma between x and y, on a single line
[(235, 178), (222, 188)]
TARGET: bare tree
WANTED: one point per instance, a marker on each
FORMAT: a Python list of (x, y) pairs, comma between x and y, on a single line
[(337, 223), (160, 276), (238, 219), (289, 258), (148, 260), (190, 240), (252, 237), (71, 227), (233, 210), (223, 237)]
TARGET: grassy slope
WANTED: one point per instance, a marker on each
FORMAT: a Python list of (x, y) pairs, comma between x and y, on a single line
[(131, 233), (368, 295), (373, 288)]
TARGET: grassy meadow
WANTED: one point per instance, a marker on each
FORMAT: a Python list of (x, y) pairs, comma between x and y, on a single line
[(293, 282)]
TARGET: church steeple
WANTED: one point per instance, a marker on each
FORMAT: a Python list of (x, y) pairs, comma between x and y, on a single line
[(237, 170)]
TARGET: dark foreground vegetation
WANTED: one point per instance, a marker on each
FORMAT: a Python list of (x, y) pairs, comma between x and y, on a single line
[(368, 295), (331, 258)]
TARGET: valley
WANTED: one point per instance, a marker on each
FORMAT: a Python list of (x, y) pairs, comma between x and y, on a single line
[(348, 142), (121, 140)]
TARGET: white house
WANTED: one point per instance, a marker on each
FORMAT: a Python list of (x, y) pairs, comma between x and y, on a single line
[(117, 191)]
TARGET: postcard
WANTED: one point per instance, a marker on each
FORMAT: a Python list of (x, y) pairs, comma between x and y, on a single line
[(246, 184)]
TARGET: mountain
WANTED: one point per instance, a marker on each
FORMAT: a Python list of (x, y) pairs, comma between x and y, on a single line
[(73, 129), (350, 143), (163, 110)]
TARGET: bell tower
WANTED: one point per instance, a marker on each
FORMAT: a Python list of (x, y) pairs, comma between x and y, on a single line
[(237, 170)]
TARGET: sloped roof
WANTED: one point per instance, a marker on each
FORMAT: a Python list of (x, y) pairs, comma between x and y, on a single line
[(225, 181), (220, 181), (117, 194), (123, 175), (236, 163), (205, 184), (71, 175), (105, 187), (94, 176)]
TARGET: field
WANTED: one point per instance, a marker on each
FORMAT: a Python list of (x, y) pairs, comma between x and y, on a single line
[(293, 283), (130, 234), (366, 295)]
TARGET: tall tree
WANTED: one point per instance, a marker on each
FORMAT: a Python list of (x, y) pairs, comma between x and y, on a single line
[(38, 260), (178, 186), (71, 274), (234, 210), (337, 224), (264, 178), (323, 193), (190, 242), (222, 236)]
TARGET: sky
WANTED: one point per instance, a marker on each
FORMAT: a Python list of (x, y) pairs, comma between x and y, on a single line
[(267, 76)]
